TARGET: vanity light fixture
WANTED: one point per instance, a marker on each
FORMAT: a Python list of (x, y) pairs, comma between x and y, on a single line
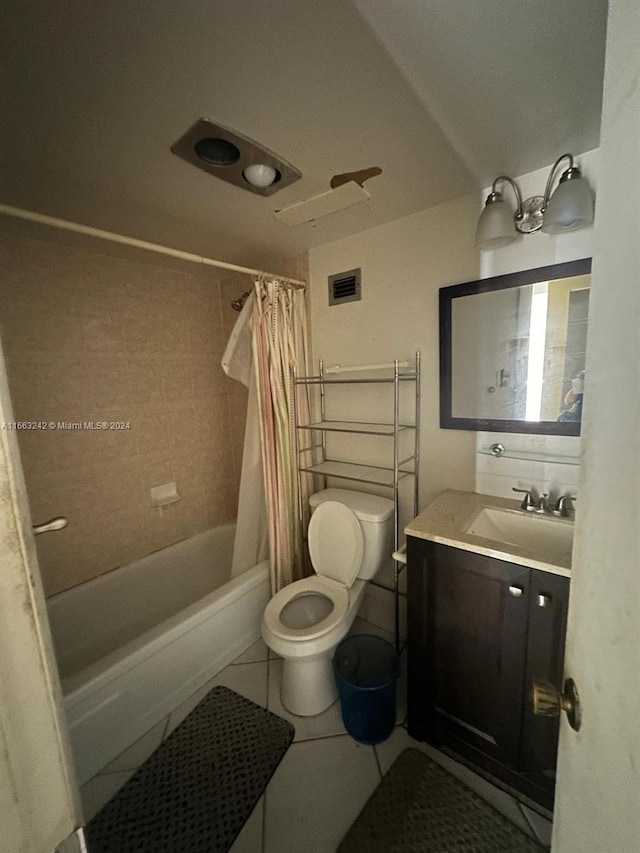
[(569, 208)]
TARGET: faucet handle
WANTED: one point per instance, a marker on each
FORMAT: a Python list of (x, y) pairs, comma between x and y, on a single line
[(563, 507), (527, 501)]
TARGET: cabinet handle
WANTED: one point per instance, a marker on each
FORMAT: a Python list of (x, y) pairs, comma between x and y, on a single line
[(543, 600), (515, 591)]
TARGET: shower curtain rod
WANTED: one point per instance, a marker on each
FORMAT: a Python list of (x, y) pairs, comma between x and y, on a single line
[(65, 225)]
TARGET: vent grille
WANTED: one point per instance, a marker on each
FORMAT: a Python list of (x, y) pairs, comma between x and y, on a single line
[(344, 287)]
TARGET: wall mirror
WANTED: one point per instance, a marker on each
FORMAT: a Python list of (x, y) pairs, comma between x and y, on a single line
[(512, 351)]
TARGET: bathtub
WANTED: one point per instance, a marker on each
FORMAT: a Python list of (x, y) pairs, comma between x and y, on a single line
[(133, 644)]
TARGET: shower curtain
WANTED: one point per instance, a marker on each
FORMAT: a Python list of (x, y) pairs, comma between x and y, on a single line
[(250, 545), (267, 341), (279, 344)]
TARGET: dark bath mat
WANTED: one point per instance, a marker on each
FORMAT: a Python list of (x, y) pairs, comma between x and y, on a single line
[(420, 808), (194, 794)]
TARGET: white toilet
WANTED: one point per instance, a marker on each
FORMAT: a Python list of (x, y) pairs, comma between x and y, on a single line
[(350, 538)]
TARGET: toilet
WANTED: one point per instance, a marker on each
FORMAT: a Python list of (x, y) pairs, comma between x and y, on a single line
[(350, 539)]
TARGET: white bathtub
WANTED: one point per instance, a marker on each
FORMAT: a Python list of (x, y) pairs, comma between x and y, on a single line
[(136, 642)]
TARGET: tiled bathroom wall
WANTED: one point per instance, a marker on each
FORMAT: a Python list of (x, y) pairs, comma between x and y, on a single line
[(90, 337), (546, 463)]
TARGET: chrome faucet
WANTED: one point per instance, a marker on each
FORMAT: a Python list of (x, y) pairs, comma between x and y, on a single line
[(542, 504)]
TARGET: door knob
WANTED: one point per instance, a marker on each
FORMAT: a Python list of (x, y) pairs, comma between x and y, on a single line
[(53, 524), (548, 701)]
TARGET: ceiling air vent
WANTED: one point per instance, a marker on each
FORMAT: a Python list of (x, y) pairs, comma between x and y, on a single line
[(344, 287)]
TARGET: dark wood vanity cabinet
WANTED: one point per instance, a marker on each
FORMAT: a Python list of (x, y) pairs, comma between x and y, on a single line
[(480, 629)]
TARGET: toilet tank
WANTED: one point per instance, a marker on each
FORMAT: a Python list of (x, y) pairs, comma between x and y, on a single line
[(375, 515)]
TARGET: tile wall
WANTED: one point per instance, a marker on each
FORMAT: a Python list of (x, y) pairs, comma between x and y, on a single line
[(92, 337), (554, 470)]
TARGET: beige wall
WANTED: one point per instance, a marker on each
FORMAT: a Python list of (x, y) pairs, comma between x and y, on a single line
[(404, 263), (90, 336)]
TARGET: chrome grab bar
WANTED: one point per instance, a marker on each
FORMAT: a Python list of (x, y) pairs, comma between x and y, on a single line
[(53, 524)]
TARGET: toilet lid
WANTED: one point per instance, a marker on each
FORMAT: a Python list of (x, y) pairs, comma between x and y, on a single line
[(336, 543)]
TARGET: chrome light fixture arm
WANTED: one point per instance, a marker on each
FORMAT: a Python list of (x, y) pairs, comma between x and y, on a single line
[(571, 172), (528, 215), (496, 195)]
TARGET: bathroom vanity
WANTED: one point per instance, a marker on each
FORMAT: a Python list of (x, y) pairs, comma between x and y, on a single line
[(485, 618)]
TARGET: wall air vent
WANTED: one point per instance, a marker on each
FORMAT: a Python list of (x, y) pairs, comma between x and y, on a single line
[(344, 287)]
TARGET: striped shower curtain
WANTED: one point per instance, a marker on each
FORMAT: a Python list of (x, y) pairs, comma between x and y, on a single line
[(279, 344)]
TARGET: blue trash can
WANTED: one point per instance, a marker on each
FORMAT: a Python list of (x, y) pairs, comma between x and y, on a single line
[(366, 669)]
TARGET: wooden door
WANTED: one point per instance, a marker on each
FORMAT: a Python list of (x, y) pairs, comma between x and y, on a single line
[(39, 805), (599, 766)]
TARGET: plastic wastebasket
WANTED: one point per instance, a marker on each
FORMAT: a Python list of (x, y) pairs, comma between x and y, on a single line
[(366, 669)]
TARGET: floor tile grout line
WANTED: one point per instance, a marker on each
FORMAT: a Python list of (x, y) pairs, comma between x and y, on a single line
[(244, 663), (529, 824), (269, 676), (133, 768), (164, 730), (528, 821), (537, 810), (263, 827), (375, 752), (325, 737)]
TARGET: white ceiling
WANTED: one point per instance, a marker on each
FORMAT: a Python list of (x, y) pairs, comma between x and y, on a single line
[(441, 94)]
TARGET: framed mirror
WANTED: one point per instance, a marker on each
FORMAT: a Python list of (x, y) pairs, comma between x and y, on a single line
[(512, 351)]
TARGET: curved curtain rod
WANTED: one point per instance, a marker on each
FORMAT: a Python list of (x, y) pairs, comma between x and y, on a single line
[(64, 224)]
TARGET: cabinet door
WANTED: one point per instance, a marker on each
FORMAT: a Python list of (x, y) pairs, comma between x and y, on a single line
[(545, 659), (467, 645)]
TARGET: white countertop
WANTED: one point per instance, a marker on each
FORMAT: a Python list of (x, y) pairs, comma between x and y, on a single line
[(445, 519)]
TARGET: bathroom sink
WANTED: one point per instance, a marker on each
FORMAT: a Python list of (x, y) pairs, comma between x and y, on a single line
[(552, 536)]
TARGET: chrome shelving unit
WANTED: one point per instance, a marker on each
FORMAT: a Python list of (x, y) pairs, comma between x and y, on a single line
[(313, 459)]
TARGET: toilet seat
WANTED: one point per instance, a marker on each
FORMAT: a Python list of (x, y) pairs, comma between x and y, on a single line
[(336, 546), (335, 592)]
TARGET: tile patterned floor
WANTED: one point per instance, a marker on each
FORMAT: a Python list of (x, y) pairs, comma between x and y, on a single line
[(325, 777)]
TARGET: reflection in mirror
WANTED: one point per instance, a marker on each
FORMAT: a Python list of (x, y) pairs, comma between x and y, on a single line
[(513, 351)]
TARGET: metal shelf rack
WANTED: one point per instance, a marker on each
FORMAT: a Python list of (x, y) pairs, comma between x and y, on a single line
[(388, 476)]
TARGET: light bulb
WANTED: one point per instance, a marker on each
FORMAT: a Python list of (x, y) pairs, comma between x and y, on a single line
[(260, 175)]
